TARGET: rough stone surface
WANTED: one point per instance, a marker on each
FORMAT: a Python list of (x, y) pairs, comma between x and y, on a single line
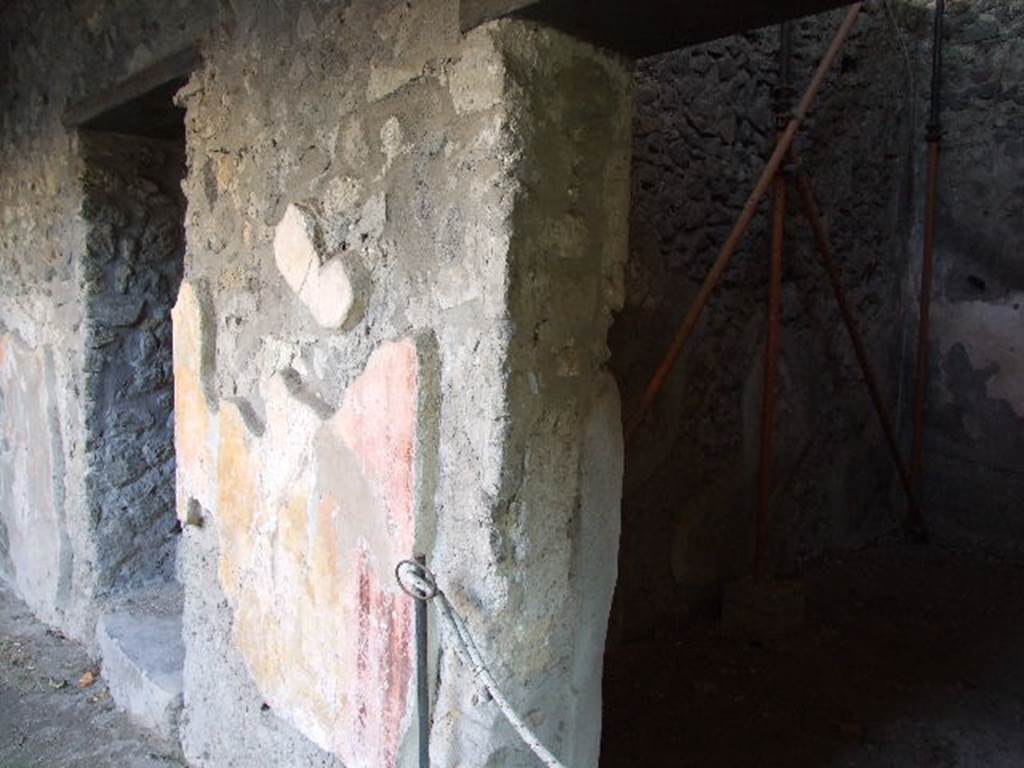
[(474, 191), (143, 656), (134, 211)]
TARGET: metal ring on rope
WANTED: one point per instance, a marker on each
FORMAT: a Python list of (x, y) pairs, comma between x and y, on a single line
[(416, 580)]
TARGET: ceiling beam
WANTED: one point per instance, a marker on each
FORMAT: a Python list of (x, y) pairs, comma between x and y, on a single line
[(645, 27), (173, 67)]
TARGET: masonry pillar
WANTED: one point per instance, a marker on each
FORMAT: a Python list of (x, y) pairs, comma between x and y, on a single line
[(391, 339), (530, 555)]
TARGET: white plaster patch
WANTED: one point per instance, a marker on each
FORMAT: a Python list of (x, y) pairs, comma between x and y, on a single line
[(195, 403), (477, 80), (992, 334), (322, 283), (391, 141), (329, 296), (295, 251)]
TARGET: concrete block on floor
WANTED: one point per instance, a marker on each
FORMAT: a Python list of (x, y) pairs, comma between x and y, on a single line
[(763, 610), (143, 659)]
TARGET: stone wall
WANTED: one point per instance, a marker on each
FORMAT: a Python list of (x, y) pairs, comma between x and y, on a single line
[(703, 127), (404, 246), (134, 212), (974, 446)]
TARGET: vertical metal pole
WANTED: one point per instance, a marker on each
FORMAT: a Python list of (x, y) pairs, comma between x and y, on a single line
[(927, 267), (762, 559), (422, 678), (771, 367)]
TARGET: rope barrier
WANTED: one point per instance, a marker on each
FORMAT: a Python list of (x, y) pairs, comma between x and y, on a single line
[(419, 583)]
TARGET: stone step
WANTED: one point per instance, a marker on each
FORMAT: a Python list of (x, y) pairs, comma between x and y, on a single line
[(143, 659)]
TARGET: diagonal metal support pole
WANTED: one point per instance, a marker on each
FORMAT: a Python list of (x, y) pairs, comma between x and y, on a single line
[(809, 206), (732, 243)]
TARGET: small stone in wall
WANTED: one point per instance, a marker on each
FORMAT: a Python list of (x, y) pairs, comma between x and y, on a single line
[(391, 141), (117, 311)]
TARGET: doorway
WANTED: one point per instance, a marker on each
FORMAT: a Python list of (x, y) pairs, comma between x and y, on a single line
[(134, 209)]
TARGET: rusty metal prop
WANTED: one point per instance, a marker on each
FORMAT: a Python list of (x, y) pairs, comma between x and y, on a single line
[(771, 168), (771, 369), (809, 206), (927, 267), (773, 322)]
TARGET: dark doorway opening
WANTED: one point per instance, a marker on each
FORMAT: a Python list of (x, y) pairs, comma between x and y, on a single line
[(134, 209)]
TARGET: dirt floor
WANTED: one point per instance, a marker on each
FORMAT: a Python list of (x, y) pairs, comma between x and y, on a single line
[(50, 715), (908, 657)]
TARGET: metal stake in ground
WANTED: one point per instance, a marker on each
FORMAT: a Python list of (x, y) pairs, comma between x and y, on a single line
[(422, 676), (743, 223)]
